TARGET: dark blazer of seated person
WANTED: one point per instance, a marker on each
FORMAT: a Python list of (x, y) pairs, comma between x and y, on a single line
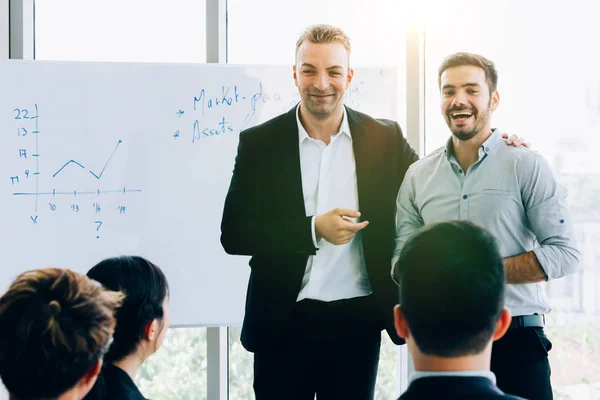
[(115, 383), (471, 387), (142, 322), (452, 284)]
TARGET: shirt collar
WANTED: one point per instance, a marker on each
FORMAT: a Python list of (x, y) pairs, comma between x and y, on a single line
[(474, 373), (490, 144), (486, 148), (303, 135)]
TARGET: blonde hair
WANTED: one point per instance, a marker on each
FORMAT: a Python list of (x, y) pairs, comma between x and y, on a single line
[(54, 325), (324, 34)]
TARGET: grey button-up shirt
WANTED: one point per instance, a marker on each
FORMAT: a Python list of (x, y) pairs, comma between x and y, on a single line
[(509, 191)]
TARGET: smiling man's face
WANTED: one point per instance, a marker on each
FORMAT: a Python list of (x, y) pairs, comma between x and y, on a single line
[(322, 75), (466, 102)]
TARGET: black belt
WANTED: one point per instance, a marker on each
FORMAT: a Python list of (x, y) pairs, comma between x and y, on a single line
[(527, 321)]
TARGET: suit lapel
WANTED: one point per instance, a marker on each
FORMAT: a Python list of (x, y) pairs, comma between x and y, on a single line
[(360, 145), (289, 174)]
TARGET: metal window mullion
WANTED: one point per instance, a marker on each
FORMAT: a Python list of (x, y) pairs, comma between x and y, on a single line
[(216, 31), (217, 363), (415, 133), (4, 29), (21, 28), (415, 87), (217, 337)]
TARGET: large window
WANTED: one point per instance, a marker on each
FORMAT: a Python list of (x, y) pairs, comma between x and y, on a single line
[(260, 33), (121, 30), (177, 371), (241, 367), (550, 95)]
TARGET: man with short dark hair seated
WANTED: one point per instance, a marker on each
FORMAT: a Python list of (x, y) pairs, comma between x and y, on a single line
[(55, 326), (451, 309)]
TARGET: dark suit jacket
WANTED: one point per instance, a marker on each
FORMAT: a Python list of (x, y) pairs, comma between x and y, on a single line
[(454, 388), (265, 217), (114, 384)]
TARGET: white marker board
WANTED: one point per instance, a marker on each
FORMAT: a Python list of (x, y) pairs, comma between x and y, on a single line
[(104, 159)]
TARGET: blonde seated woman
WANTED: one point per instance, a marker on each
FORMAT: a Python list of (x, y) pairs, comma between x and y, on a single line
[(55, 326)]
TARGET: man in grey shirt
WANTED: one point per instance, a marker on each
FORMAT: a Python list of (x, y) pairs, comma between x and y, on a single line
[(511, 192)]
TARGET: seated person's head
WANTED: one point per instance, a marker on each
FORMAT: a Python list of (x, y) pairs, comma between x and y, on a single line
[(143, 318), (452, 283), (55, 326)]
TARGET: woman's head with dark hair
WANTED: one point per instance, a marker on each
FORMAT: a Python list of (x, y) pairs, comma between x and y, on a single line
[(143, 318)]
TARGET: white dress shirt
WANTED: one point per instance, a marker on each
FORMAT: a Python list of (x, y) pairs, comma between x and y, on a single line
[(329, 181)]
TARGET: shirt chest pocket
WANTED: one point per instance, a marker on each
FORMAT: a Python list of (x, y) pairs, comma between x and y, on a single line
[(496, 192), (492, 203)]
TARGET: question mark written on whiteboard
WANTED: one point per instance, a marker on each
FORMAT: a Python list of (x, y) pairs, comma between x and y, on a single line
[(99, 225)]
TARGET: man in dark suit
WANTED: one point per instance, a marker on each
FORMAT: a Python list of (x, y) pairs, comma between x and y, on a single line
[(320, 291), (452, 285)]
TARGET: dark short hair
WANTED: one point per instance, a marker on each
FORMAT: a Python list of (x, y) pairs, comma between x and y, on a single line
[(145, 287), (452, 283), (461, 59), (54, 325)]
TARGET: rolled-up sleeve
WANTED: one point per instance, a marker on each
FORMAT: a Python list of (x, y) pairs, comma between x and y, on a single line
[(408, 218), (545, 202)]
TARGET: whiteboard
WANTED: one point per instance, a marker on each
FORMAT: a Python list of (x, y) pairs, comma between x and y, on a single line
[(103, 159)]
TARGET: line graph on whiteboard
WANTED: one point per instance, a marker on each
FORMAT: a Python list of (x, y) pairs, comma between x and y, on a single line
[(59, 194)]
